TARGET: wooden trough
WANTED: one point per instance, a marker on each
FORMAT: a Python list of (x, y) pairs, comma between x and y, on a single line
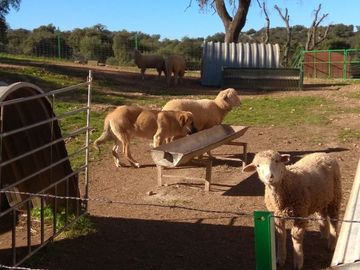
[(184, 150)]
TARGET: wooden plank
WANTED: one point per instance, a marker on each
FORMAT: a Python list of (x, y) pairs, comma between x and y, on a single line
[(347, 250)]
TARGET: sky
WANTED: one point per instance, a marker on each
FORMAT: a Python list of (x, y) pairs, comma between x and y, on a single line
[(171, 19)]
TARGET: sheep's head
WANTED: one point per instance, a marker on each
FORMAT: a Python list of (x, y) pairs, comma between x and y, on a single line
[(186, 121), (270, 166), (227, 99)]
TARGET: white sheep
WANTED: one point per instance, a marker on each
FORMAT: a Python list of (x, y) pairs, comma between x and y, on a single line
[(311, 185), (207, 113), (175, 64), (149, 61)]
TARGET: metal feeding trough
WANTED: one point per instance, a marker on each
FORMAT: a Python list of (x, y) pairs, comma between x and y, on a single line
[(184, 150)]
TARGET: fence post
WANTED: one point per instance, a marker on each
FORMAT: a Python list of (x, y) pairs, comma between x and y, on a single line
[(136, 41), (58, 42), (345, 64), (264, 240)]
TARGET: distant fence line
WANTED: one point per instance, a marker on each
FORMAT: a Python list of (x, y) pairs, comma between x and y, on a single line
[(115, 51)]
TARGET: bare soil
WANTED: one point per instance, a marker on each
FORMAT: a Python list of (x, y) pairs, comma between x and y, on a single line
[(179, 225)]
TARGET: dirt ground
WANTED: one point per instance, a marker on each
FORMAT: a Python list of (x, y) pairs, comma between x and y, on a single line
[(179, 225)]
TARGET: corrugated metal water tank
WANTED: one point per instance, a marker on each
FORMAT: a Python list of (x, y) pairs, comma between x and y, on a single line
[(243, 55), (15, 144)]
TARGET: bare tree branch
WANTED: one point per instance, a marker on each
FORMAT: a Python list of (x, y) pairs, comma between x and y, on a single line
[(267, 30), (286, 18), (313, 39), (232, 24), (190, 3)]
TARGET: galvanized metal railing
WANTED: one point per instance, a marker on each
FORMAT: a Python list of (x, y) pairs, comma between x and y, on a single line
[(63, 186)]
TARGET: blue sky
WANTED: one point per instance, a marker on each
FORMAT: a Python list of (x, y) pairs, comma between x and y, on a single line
[(169, 18)]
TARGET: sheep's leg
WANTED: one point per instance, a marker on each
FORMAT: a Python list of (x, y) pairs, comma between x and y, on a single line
[(143, 73), (158, 140), (297, 235), (281, 241), (127, 153), (324, 224), (159, 73), (333, 212), (115, 153), (125, 140)]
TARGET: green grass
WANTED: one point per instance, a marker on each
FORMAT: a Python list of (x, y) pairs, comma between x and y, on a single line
[(355, 95), (348, 134), (285, 111), (83, 226)]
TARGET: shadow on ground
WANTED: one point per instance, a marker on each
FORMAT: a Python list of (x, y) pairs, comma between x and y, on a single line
[(149, 244)]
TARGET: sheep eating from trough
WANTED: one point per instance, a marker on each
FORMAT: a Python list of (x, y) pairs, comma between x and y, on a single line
[(207, 113), (149, 61), (175, 64), (311, 185)]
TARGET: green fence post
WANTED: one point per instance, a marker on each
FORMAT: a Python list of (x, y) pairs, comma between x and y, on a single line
[(345, 64), (264, 240), (58, 43), (136, 41)]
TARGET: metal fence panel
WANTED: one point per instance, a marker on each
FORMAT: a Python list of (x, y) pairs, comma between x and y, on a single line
[(217, 55), (34, 161), (342, 64)]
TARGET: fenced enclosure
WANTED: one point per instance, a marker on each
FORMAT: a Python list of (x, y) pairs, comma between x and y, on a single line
[(43, 162), (98, 45), (341, 64)]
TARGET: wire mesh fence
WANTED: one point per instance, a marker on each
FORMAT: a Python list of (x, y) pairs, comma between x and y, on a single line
[(98, 45)]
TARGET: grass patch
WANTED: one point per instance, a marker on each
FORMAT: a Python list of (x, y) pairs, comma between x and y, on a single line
[(285, 111), (348, 134), (355, 95), (83, 226)]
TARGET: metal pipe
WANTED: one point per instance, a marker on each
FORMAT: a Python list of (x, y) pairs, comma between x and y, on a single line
[(41, 191), (53, 92), (49, 120), (86, 195), (77, 132)]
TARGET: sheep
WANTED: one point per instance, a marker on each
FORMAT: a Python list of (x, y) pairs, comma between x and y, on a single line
[(149, 61), (207, 113), (175, 64), (311, 185)]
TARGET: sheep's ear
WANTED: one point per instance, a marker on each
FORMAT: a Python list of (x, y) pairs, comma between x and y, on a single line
[(285, 158), (249, 168), (182, 120)]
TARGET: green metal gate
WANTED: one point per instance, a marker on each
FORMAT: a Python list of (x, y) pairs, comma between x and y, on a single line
[(331, 64)]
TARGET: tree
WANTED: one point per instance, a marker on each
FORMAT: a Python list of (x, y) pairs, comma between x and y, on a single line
[(267, 29), (232, 24), (314, 38), (122, 47), (5, 6), (286, 18)]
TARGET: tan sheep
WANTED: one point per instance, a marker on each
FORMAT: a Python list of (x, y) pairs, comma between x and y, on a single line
[(207, 113), (311, 185), (175, 64), (149, 61), (126, 122)]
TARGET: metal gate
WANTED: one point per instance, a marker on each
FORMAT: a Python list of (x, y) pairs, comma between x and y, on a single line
[(342, 64), (36, 158)]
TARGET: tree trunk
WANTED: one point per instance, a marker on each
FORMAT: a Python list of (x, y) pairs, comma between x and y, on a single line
[(233, 25), (287, 45)]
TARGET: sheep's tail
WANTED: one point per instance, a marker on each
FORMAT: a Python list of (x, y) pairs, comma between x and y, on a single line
[(106, 135)]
